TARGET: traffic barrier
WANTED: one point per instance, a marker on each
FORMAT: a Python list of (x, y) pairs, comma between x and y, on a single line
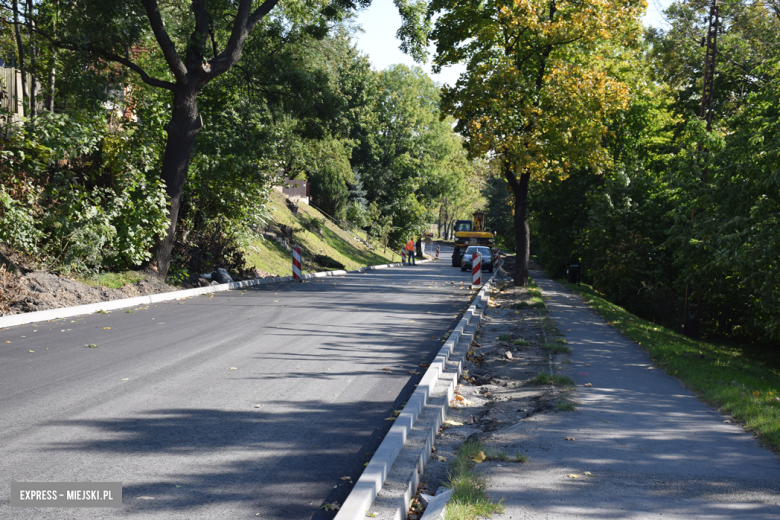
[(437, 251), (296, 263), (476, 270), (495, 257), (403, 255)]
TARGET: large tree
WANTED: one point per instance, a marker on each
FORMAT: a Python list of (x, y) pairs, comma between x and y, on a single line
[(198, 41), (539, 84)]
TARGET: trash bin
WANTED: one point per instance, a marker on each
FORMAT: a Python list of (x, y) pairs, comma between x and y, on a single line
[(574, 274)]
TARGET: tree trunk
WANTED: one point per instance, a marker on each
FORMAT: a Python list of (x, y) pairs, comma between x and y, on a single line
[(522, 230), (52, 65), (52, 80), (182, 130), (20, 50), (33, 83)]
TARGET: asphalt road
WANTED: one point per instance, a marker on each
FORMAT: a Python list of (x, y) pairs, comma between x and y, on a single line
[(236, 405)]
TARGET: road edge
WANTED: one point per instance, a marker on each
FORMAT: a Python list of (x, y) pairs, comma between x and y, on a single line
[(78, 310), (368, 486)]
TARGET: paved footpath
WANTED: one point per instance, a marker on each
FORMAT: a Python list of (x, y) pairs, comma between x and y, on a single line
[(654, 450)]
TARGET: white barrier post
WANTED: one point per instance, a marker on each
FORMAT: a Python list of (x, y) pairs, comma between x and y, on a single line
[(296, 253), (476, 270), (437, 251), (403, 255)]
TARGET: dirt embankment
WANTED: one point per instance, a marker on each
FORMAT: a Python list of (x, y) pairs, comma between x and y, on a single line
[(39, 291)]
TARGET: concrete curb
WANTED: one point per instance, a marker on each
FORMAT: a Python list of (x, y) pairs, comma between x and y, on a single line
[(373, 478), (78, 310)]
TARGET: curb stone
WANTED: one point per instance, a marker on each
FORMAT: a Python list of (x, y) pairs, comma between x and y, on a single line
[(123, 303), (371, 481)]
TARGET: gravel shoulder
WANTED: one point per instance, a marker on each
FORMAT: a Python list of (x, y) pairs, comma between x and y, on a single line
[(639, 444)]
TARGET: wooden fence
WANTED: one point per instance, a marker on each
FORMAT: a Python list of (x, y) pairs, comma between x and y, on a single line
[(11, 98)]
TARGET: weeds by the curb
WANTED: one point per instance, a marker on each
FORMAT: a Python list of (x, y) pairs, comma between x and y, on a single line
[(543, 378), (564, 405), (556, 348), (469, 500)]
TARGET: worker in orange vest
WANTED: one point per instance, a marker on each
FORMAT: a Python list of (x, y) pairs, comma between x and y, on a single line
[(410, 250)]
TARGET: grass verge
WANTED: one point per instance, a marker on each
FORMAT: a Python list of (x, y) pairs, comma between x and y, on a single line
[(731, 377), (317, 236), (111, 280), (469, 500)]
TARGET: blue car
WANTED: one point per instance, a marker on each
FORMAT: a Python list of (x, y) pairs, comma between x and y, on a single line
[(487, 258)]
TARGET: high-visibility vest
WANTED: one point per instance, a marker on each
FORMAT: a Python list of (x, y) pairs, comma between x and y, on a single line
[(410, 245)]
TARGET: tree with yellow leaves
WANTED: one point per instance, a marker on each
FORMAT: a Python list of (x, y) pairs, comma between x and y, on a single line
[(542, 79)]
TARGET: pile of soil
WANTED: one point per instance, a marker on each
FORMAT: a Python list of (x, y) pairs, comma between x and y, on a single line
[(42, 291)]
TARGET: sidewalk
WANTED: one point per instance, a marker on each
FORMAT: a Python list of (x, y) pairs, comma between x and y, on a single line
[(652, 448)]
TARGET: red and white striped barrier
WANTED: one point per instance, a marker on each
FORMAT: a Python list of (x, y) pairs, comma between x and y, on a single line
[(495, 257), (296, 263), (437, 251), (403, 255), (476, 270)]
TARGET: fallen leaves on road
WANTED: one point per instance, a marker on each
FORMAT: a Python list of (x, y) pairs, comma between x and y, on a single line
[(333, 506), (425, 365), (479, 457), (386, 368), (346, 478), (450, 422), (569, 439), (441, 459), (589, 474), (31, 351), (588, 384), (572, 475), (233, 368), (106, 328), (414, 372), (91, 345), (390, 418), (587, 364)]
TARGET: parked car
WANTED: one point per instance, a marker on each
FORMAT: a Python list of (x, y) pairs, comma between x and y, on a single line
[(468, 255)]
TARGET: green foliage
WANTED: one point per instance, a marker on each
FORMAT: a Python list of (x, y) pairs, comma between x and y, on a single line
[(499, 216), (416, 162), (559, 214), (729, 251), (78, 197)]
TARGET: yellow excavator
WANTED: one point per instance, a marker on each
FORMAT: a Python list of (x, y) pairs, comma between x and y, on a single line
[(468, 233)]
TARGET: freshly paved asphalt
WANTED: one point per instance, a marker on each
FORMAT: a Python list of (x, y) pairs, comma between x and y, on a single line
[(241, 404), (653, 450)]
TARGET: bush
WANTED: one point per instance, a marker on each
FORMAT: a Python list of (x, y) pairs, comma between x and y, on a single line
[(78, 198)]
